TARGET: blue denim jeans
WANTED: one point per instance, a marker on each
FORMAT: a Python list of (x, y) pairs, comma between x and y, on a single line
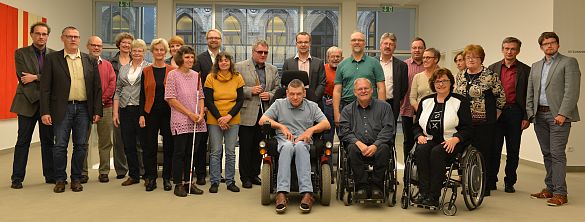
[(217, 138), (328, 111), (300, 151), (76, 122)]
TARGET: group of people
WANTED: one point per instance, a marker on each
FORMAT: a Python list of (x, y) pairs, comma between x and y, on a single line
[(191, 99)]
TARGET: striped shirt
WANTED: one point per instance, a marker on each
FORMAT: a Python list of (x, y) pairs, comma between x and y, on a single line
[(406, 108)]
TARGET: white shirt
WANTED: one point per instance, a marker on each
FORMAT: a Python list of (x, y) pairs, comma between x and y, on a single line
[(133, 73), (388, 74), (212, 55)]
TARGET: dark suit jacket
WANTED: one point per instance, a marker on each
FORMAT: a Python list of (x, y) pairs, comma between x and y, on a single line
[(26, 99), (317, 78), (56, 84), (522, 72), (399, 83), (203, 65)]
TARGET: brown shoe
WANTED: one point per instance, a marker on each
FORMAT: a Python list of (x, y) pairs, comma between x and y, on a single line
[(281, 203), (542, 194), (59, 187), (557, 200), (307, 202), (130, 181), (76, 186)]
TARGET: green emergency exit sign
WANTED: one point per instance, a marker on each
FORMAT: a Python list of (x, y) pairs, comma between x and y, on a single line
[(387, 8), (124, 4)]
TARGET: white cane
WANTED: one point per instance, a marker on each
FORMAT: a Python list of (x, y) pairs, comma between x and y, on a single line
[(194, 133)]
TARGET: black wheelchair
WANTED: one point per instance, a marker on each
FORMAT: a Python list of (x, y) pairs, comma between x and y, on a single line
[(346, 186), (465, 170), (320, 152)]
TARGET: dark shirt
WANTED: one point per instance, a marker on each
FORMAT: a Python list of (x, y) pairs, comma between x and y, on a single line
[(40, 53), (260, 69), (159, 95), (508, 77), (371, 125)]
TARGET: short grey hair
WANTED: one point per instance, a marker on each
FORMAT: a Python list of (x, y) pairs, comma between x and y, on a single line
[(361, 79), (296, 83), (259, 42), (333, 49), (388, 35), (139, 43), (159, 41)]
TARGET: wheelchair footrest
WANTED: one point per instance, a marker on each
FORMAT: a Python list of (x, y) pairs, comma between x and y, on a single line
[(375, 201), (425, 206)]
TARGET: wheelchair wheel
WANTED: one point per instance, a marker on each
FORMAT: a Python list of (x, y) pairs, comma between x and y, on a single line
[(449, 209), (474, 178), (266, 183), (325, 184), (410, 191), (347, 198), (392, 180)]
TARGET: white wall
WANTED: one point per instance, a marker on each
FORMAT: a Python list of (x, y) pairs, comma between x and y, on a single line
[(569, 21), (59, 14)]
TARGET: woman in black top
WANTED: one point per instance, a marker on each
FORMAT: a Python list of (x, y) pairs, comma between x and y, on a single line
[(442, 128)]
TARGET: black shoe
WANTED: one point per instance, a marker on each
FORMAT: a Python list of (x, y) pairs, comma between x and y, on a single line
[(193, 189), (103, 178), (84, 179), (119, 177), (256, 180), (50, 181), (509, 189), (487, 193), (420, 199), (167, 186), (214, 187), (377, 193), (233, 188), (493, 187), (180, 190), (16, 185), (247, 184), (222, 180), (200, 181), (431, 202), (150, 184), (361, 194)]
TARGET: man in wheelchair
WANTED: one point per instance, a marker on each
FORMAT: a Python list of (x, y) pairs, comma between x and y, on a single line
[(367, 130), (294, 118)]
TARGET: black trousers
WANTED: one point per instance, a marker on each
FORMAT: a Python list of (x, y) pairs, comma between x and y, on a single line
[(379, 161), (483, 140), (130, 131), (26, 127), (182, 157), (508, 127), (201, 154), (158, 120), (431, 160), (249, 160), (407, 126)]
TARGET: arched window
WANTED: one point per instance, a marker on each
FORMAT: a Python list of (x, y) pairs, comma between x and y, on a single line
[(371, 35), (232, 39), (119, 24), (322, 37), (277, 38), (185, 29)]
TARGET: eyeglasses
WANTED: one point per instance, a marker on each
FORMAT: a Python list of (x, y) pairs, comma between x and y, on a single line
[(71, 37), (428, 57), (549, 43), (213, 38), (471, 58), (358, 40), (361, 89), (41, 34), (442, 82), (262, 52), (96, 45)]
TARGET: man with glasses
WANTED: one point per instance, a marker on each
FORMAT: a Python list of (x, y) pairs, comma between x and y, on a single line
[(71, 98), (513, 120), (261, 82), (29, 65), (303, 61), (395, 73), (105, 125), (551, 102), (358, 65), (415, 65), (203, 65)]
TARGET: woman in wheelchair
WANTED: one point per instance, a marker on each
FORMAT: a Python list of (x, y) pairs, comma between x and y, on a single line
[(442, 128)]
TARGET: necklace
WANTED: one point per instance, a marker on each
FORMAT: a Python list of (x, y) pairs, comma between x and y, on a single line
[(472, 78)]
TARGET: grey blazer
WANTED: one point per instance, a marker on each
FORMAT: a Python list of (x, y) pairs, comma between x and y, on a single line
[(26, 99), (127, 92), (562, 88), (249, 111), (317, 78)]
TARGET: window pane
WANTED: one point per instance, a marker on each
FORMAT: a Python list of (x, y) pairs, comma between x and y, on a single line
[(193, 32), (139, 20), (401, 22), (242, 26), (322, 24)]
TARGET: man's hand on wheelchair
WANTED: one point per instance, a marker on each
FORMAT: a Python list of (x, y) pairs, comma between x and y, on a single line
[(305, 137), (450, 144)]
